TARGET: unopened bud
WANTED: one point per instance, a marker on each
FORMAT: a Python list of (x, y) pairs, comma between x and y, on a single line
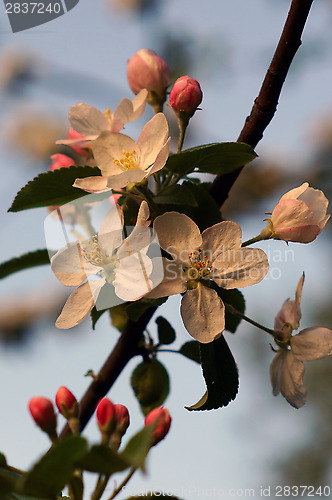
[(66, 402), (75, 136), (42, 411), (122, 419), (162, 421), (59, 160), (186, 95), (106, 418), (146, 70)]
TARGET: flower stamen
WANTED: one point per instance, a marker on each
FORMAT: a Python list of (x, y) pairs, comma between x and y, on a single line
[(129, 161)]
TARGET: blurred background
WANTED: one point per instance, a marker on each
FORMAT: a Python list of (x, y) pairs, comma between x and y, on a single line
[(258, 440)]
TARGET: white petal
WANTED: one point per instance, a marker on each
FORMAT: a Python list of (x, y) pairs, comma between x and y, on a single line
[(221, 237), (293, 194), (161, 159), (77, 307), (143, 214), (132, 277), (110, 234), (203, 314), (87, 120), (290, 214), (240, 268), (177, 234), (167, 278), (312, 343), (68, 265), (125, 178), (152, 139), (94, 184), (286, 373), (109, 147), (316, 201)]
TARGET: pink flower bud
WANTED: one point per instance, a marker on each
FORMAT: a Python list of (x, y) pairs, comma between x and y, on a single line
[(73, 135), (300, 215), (162, 419), (42, 411), (185, 96), (146, 70), (66, 402), (105, 415), (122, 418), (59, 161)]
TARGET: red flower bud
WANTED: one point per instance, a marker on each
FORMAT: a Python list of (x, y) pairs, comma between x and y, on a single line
[(105, 415), (162, 420), (42, 411), (146, 70), (122, 418), (186, 95), (59, 161), (66, 402)]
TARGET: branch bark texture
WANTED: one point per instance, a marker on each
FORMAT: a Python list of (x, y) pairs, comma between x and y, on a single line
[(261, 114)]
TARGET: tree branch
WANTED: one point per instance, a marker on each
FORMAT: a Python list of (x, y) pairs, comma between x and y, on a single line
[(267, 101), (262, 113)]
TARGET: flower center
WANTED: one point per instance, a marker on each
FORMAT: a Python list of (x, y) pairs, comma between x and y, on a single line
[(200, 266), (129, 161), (94, 253)]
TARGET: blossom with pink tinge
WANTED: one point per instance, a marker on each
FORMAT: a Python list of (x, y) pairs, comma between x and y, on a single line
[(105, 415), (299, 216), (66, 402), (287, 368)]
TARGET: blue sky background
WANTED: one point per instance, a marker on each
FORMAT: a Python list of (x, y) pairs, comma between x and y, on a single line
[(82, 56)]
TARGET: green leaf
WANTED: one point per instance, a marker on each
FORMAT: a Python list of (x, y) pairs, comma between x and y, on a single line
[(207, 213), (102, 460), (52, 188), (236, 299), (49, 476), (220, 373), (150, 383), (95, 315), (176, 195), (219, 158), (138, 447), (119, 317), (135, 310), (26, 261), (166, 333), (191, 350)]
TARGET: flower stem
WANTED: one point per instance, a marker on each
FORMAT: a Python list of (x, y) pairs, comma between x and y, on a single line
[(124, 482), (183, 124), (278, 334), (266, 234), (100, 487)]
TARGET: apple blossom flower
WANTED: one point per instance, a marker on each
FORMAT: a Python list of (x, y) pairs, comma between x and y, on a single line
[(162, 420), (119, 268), (59, 160), (299, 216), (122, 161), (89, 122), (287, 368), (146, 70), (198, 259), (77, 137), (122, 419), (186, 95), (106, 418), (42, 411)]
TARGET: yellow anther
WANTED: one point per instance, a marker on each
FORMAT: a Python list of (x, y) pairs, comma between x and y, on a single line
[(129, 161)]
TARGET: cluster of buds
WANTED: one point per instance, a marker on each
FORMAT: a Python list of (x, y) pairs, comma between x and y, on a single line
[(147, 70), (43, 412), (113, 421)]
